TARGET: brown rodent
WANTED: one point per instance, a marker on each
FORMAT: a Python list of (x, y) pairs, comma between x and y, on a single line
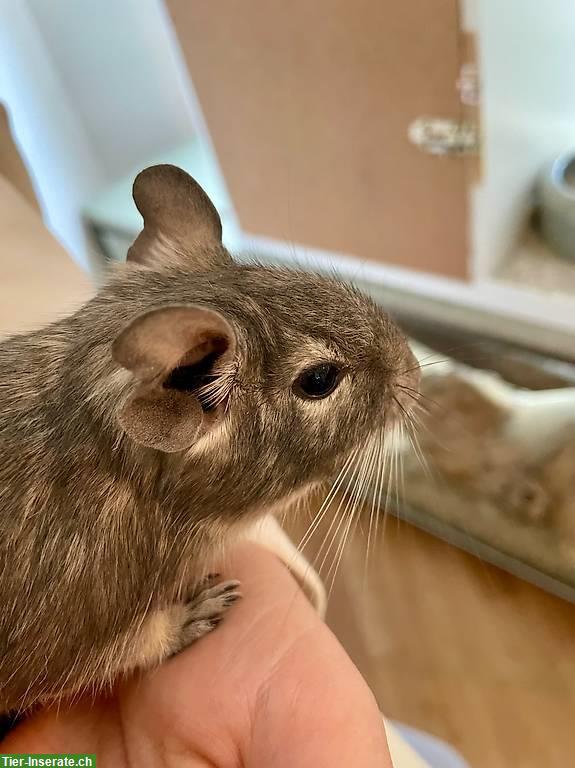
[(464, 440), (558, 475), (189, 396)]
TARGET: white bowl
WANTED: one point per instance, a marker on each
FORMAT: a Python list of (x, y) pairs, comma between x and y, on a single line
[(556, 200)]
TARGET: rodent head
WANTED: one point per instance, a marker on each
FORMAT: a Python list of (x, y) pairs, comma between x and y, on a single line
[(267, 378)]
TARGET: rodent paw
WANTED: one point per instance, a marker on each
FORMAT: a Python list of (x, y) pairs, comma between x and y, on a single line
[(206, 609)]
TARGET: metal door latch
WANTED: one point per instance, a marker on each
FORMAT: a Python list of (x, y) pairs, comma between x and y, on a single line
[(440, 136)]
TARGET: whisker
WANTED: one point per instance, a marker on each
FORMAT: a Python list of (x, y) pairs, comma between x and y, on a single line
[(403, 428), (411, 420), (425, 365), (385, 473), (418, 452), (345, 499), (426, 357), (318, 517), (358, 479), (470, 346), (418, 395), (373, 509), (401, 408), (353, 516), (395, 472)]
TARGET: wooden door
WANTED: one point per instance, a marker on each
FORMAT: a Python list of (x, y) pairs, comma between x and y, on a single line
[(308, 103)]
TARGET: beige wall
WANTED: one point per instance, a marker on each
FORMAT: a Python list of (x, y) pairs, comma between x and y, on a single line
[(38, 280)]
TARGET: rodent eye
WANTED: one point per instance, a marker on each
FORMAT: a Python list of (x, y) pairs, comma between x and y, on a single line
[(317, 382)]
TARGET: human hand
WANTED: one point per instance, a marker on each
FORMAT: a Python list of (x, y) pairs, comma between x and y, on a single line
[(271, 686)]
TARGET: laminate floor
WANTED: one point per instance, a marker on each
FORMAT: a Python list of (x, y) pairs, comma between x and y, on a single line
[(456, 647)]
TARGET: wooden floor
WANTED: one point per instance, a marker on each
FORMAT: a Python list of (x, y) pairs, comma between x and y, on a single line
[(458, 648)]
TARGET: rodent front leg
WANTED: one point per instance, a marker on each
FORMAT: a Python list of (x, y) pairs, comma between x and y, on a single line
[(168, 631)]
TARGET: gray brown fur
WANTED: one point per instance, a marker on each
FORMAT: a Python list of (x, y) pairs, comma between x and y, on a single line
[(100, 535)]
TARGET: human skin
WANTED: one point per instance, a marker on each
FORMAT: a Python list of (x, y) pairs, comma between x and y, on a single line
[(271, 686)]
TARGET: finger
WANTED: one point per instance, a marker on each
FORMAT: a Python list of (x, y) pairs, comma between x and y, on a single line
[(271, 686)]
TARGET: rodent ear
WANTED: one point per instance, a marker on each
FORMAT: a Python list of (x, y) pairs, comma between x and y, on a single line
[(166, 421), (180, 221), (183, 360)]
